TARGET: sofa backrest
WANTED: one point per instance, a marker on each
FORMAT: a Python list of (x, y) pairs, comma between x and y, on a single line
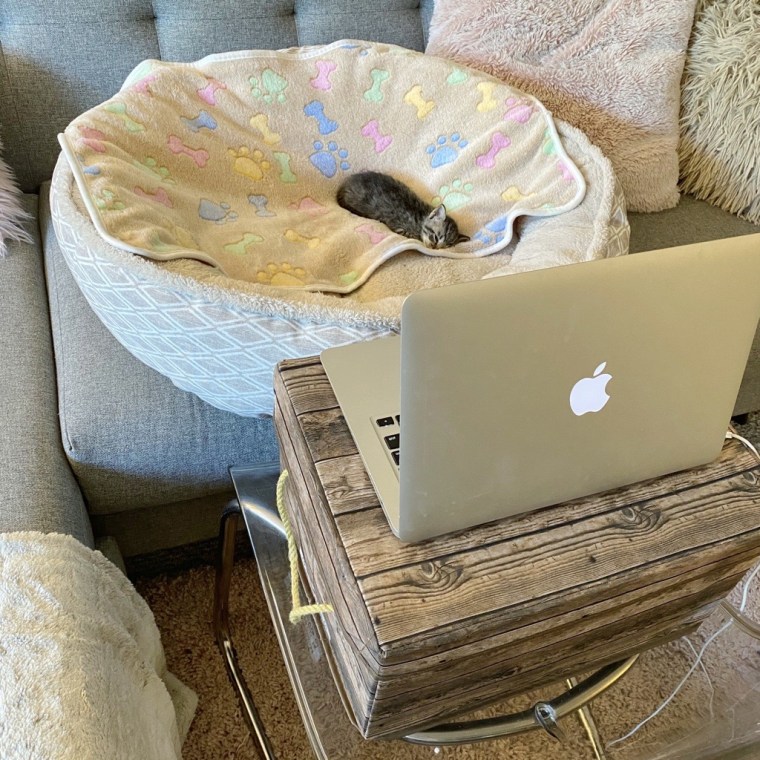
[(57, 59)]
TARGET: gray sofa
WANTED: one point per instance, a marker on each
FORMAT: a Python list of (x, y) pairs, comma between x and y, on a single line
[(93, 442)]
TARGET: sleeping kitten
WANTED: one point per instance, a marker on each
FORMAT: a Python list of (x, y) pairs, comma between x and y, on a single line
[(381, 197)]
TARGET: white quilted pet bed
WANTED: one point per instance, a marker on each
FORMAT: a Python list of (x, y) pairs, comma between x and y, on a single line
[(220, 336)]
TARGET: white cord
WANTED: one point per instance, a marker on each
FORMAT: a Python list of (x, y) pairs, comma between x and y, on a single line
[(745, 594)]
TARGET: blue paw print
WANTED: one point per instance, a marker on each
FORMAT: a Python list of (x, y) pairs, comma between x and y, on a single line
[(493, 232), (445, 149), (329, 158)]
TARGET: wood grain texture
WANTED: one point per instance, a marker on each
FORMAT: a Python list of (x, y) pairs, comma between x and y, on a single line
[(424, 631)]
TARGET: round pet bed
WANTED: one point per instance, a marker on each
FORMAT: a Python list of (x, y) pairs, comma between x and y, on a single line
[(219, 336)]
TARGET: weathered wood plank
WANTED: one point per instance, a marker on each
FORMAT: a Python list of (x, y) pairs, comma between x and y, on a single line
[(405, 601), (372, 548), (428, 630)]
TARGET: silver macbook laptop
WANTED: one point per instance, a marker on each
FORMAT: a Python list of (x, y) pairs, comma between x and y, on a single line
[(513, 393)]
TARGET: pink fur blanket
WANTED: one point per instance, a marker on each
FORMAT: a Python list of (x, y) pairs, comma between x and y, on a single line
[(609, 67), (12, 214)]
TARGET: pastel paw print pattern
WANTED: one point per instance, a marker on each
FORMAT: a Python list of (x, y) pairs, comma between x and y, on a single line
[(208, 93), (493, 232), (322, 80), (283, 274), (240, 247), (107, 200), (157, 196), (453, 196), (445, 150), (329, 158), (513, 194), (120, 109), (519, 110), (249, 164), (162, 172), (260, 202), (286, 173), (219, 213), (296, 237), (416, 99), (316, 109), (457, 76), (204, 120), (307, 205), (549, 147), (270, 87), (375, 93)]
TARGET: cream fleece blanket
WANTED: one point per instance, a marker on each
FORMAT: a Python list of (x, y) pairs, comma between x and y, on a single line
[(82, 669), (235, 160)]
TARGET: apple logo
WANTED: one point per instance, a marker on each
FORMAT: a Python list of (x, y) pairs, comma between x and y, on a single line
[(589, 394)]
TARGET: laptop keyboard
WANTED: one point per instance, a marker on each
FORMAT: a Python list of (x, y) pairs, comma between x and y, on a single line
[(389, 430)]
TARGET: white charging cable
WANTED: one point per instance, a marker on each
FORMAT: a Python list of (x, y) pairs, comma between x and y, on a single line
[(727, 624)]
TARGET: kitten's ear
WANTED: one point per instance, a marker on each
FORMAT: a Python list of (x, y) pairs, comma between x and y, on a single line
[(463, 238), (438, 214)]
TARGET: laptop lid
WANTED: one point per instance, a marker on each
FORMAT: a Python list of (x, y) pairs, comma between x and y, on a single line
[(522, 391)]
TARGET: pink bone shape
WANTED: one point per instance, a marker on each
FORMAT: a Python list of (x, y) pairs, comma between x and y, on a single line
[(142, 84), (208, 93), (160, 196), (322, 80), (93, 138), (498, 143), (200, 156), (375, 236), (372, 130)]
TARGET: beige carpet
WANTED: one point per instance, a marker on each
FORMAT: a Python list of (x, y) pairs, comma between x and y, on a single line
[(714, 708)]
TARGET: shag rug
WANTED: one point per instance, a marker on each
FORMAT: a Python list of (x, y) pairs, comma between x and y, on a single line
[(720, 107), (609, 67), (12, 215), (714, 707)]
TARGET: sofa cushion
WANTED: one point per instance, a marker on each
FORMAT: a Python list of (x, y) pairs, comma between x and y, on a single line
[(132, 437), (38, 491)]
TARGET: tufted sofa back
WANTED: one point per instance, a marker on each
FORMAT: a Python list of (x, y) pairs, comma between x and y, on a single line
[(58, 58)]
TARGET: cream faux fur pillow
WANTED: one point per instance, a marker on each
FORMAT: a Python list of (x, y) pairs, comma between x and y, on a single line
[(720, 107), (12, 214), (612, 68)]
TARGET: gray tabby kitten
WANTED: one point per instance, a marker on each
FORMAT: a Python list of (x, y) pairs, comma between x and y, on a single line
[(381, 197)]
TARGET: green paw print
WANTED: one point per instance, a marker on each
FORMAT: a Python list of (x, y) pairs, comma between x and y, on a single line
[(549, 148), (270, 88), (107, 200), (453, 196), (153, 167), (457, 76)]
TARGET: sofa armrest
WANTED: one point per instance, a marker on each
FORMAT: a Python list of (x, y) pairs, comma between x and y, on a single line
[(37, 488)]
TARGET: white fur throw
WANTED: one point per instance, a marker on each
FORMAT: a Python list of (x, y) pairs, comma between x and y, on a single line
[(82, 670), (611, 68), (720, 107), (12, 214)]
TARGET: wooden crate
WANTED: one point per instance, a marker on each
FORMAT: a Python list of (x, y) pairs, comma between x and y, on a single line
[(422, 632)]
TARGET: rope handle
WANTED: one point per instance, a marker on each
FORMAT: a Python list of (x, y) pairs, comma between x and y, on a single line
[(299, 611)]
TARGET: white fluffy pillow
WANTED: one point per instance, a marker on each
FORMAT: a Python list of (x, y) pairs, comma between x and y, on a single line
[(12, 215), (720, 107)]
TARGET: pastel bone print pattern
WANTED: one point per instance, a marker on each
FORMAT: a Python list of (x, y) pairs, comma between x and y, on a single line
[(254, 189)]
